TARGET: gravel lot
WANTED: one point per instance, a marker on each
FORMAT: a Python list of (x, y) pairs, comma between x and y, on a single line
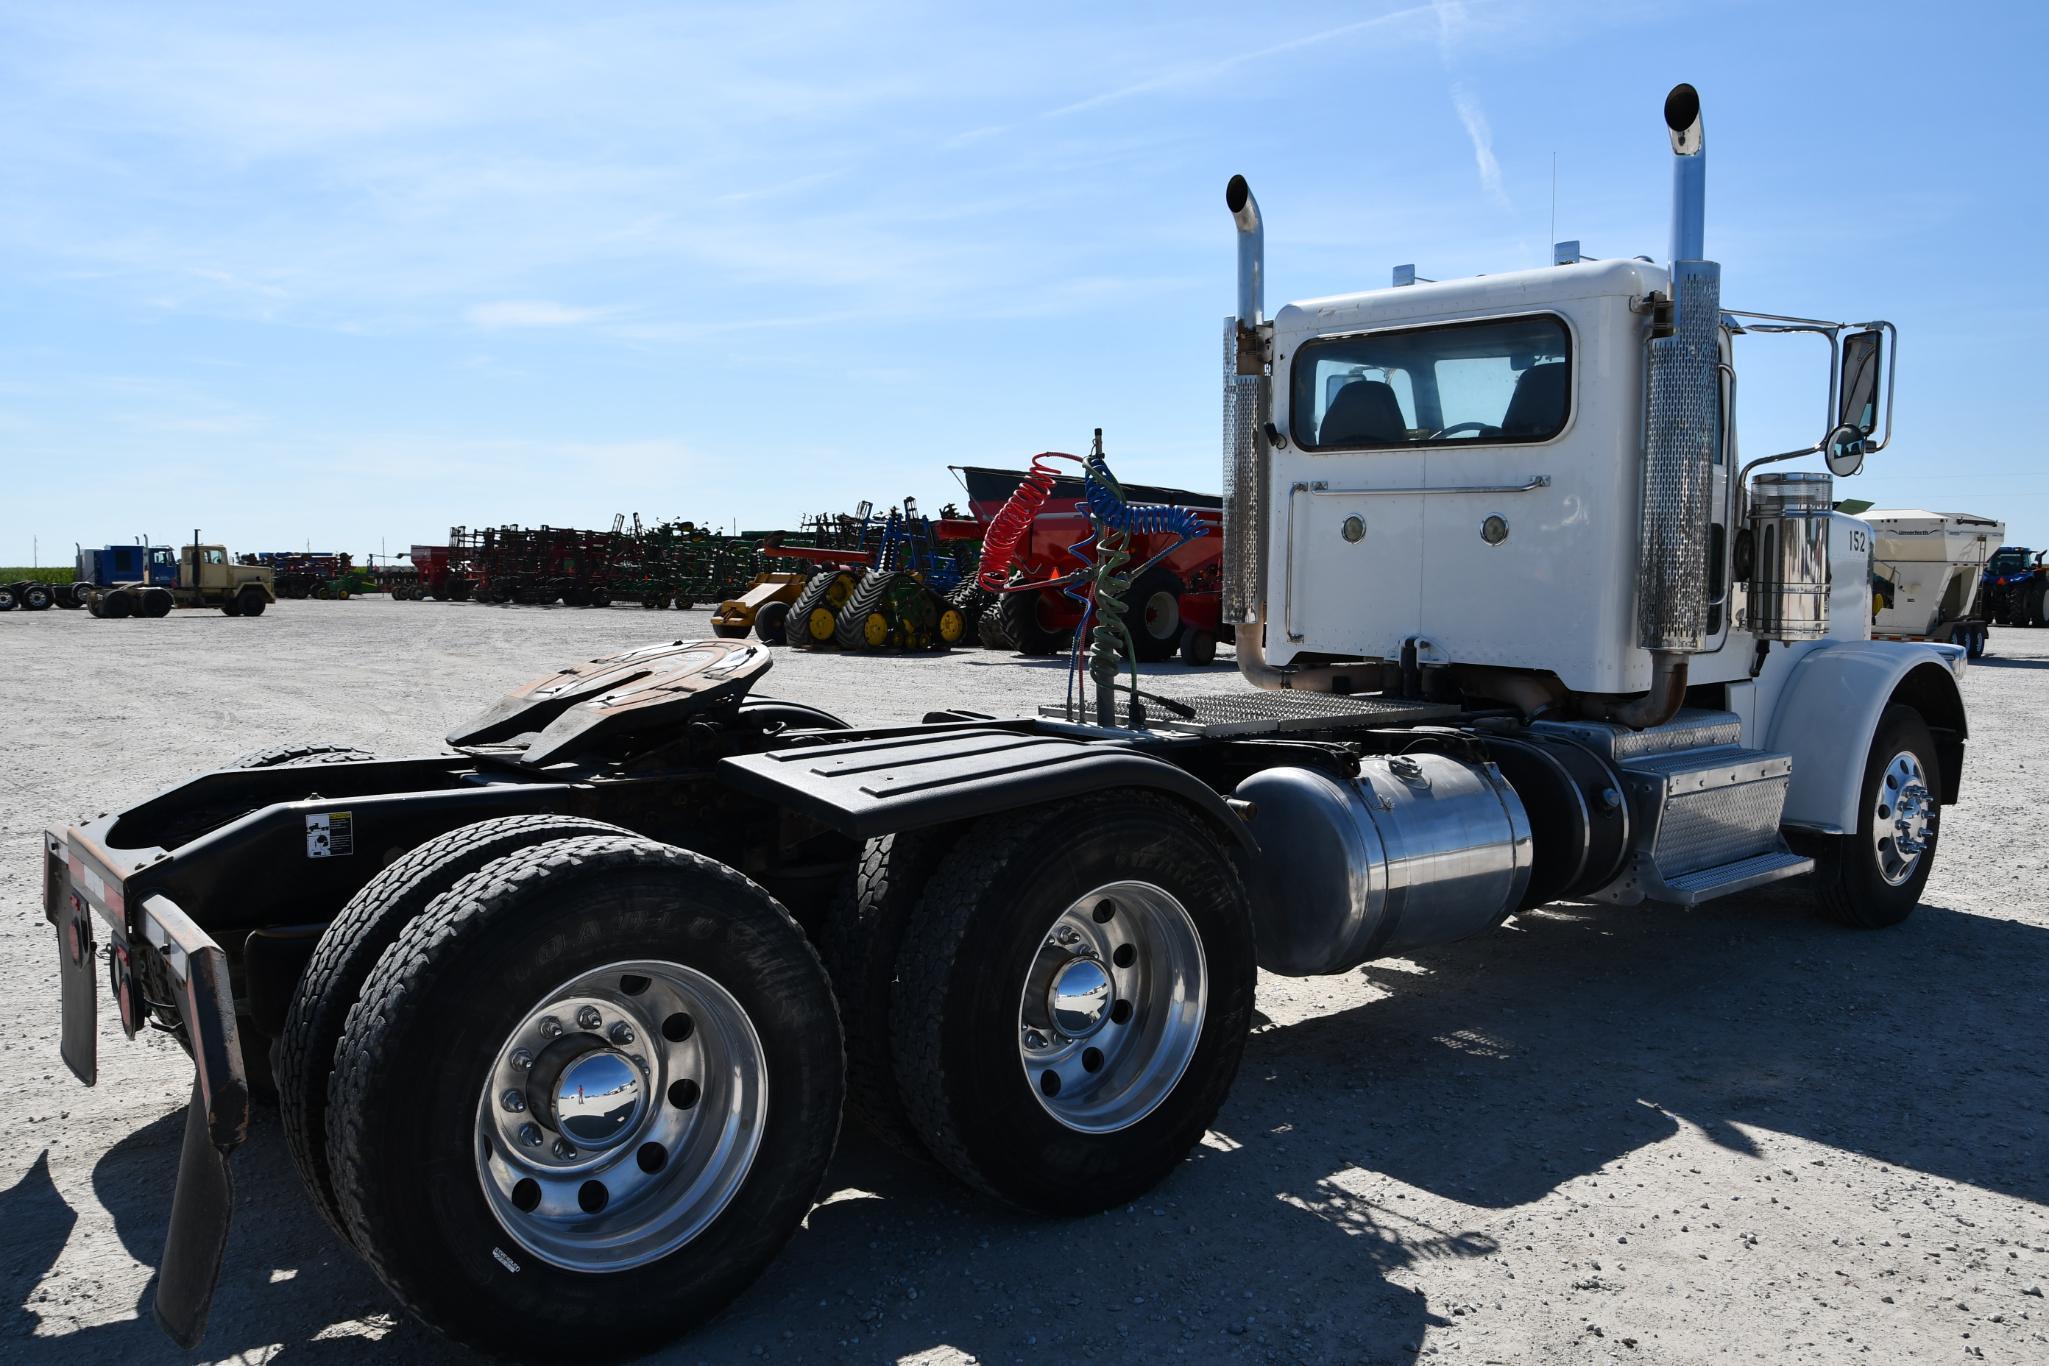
[(1597, 1134)]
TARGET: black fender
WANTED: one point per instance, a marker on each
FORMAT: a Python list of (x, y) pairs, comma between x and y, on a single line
[(876, 783)]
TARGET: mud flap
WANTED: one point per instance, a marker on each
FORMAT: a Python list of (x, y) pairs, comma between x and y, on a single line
[(200, 1210), (78, 989), (216, 1122)]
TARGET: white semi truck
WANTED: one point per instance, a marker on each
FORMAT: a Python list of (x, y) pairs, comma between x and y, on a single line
[(561, 1020)]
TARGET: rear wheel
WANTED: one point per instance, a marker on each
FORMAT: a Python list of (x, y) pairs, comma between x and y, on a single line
[(157, 602), (989, 631), (8, 602), (35, 597), (1198, 647), (619, 1071), (1072, 1000), (2037, 603), (117, 605), (349, 948), (1154, 615), (772, 623), (81, 595), (1030, 622), (1874, 878), (863, 933)]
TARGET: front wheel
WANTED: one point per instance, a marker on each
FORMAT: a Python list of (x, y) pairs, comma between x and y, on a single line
[(619, 1071), (1874, 878), (1072, 999)]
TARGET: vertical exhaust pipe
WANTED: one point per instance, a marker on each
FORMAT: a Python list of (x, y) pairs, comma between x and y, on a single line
[(1251, 252), (1248, 403), (1680, 433), (1689, 172)]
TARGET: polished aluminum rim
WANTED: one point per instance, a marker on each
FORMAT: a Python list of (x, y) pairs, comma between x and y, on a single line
[(1903, 818), (621, 1116), (1113, 1006)]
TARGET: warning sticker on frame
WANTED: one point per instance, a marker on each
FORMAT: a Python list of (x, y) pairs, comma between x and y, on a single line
[(330, 834)]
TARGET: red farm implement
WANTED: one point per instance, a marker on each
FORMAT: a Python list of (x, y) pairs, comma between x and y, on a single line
[(1174, 602)]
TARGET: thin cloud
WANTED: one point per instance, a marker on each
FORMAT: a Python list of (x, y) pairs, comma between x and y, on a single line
[(1482, 137), (510, 313), (1194, 73)]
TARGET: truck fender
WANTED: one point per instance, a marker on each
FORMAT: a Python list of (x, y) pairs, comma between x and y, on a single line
[(1829, 709), (872, 783)]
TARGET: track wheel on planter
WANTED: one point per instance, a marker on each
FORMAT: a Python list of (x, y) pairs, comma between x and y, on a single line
[(619, 1069), (874, 618), (349, 949), (863, 932), (951, 627), (989, 631), (772, 622), (814, 619), (728, 630), (1072, 999), (654, 599), (1029, 621)]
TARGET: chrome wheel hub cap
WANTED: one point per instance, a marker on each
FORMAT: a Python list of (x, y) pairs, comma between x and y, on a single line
[(621, 1115), (1903, 818), (1113, 1006)]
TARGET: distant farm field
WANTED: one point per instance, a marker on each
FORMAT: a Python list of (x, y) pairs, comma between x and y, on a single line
[(44, 575)]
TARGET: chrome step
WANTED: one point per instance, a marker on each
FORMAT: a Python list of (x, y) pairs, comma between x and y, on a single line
[(1690, 889)]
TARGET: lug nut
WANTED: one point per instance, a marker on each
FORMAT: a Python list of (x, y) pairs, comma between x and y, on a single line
[(622, 1033), (1034, 1039), (563, 1148), (588, 1018), (521, 1060), (513, 1101), (530, 1134), (551, 1028)]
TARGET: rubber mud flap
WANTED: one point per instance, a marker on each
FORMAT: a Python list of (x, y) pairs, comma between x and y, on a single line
[(201, 1207), (78, 989)]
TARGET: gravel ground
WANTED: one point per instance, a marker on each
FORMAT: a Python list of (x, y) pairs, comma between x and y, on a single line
[(1597, 1134)]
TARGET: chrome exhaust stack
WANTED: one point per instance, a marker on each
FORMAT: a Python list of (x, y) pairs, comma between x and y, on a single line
[(1247, 403), (1680, 437), (1248, 408)]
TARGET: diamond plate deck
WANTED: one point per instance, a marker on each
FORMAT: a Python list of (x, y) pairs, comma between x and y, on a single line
[(1268, 713)]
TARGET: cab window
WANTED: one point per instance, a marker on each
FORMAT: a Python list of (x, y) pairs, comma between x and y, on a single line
[(216, 557), (1501, 380)]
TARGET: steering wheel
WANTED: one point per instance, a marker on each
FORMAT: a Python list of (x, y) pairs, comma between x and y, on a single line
[(1477, 428)]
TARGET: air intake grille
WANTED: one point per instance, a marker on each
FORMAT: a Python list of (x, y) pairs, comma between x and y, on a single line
[(1245, 414)]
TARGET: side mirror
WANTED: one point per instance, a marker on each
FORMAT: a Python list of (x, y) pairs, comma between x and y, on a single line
[(1843, 452), (1856, 402), (1863, 364)]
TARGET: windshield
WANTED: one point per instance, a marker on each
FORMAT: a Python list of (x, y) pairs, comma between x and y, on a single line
[(1504, 380), (2008, 560)]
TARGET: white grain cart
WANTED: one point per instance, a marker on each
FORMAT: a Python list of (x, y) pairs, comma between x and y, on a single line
[(1926, 569)]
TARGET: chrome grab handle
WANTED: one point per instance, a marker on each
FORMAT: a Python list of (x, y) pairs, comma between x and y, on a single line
[(1320, 488)]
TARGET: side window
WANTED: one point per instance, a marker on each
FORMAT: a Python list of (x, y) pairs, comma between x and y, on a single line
[(1502, 380), (216, 557)]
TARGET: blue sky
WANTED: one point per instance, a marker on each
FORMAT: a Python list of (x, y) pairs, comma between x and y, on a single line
[(349, 274)]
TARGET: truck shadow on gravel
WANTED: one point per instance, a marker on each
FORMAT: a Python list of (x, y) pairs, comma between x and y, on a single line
[(1485, 1074)]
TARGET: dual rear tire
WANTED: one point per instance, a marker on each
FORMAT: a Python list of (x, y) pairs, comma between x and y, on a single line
[(620, 1070), (1054, 1018)]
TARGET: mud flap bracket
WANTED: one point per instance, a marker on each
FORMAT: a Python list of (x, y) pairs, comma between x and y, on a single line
[(216, 1121)]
